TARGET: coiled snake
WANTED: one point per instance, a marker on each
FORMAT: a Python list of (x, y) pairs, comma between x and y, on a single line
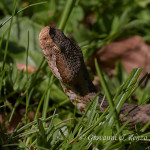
[(65, 60)]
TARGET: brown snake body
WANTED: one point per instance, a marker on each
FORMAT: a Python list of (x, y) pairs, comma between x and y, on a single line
[(65, 60)]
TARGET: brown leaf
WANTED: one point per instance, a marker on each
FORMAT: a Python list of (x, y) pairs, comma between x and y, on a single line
[(23, 67), (13, 124), (133, 52)]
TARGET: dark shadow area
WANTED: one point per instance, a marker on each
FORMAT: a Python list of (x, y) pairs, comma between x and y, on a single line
[(13, 47)]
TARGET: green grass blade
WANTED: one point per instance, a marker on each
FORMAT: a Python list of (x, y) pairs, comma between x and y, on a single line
[(25, 127), (139, 84), (41, 128), (117, 135), (126, 90), (46, 101), (107, 93), (40, 104), (21, 11), (83, 116), (16, 105), (92, 111), (51, 122), (9, 30), (27, 83), (66, 13)]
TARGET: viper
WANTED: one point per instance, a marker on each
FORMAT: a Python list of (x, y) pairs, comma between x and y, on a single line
[(65, 60)]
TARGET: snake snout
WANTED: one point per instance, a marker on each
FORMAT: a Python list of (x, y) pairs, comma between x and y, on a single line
[(44, 37), (46, 43)]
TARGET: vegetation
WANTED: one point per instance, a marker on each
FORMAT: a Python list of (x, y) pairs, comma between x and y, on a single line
[(56, 123)]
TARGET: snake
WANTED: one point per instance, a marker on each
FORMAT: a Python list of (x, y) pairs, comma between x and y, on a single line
[(66, 62)]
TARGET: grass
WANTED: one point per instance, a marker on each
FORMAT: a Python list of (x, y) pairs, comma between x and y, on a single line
[(56, 123)]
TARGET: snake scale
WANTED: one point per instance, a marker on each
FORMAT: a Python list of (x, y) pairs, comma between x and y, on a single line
[(66, 62)]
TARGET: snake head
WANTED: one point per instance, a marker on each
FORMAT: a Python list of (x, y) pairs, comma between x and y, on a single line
[(62, 54), (66, 62)]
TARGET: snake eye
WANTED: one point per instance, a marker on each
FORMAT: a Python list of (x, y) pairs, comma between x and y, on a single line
[(55, 49)]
